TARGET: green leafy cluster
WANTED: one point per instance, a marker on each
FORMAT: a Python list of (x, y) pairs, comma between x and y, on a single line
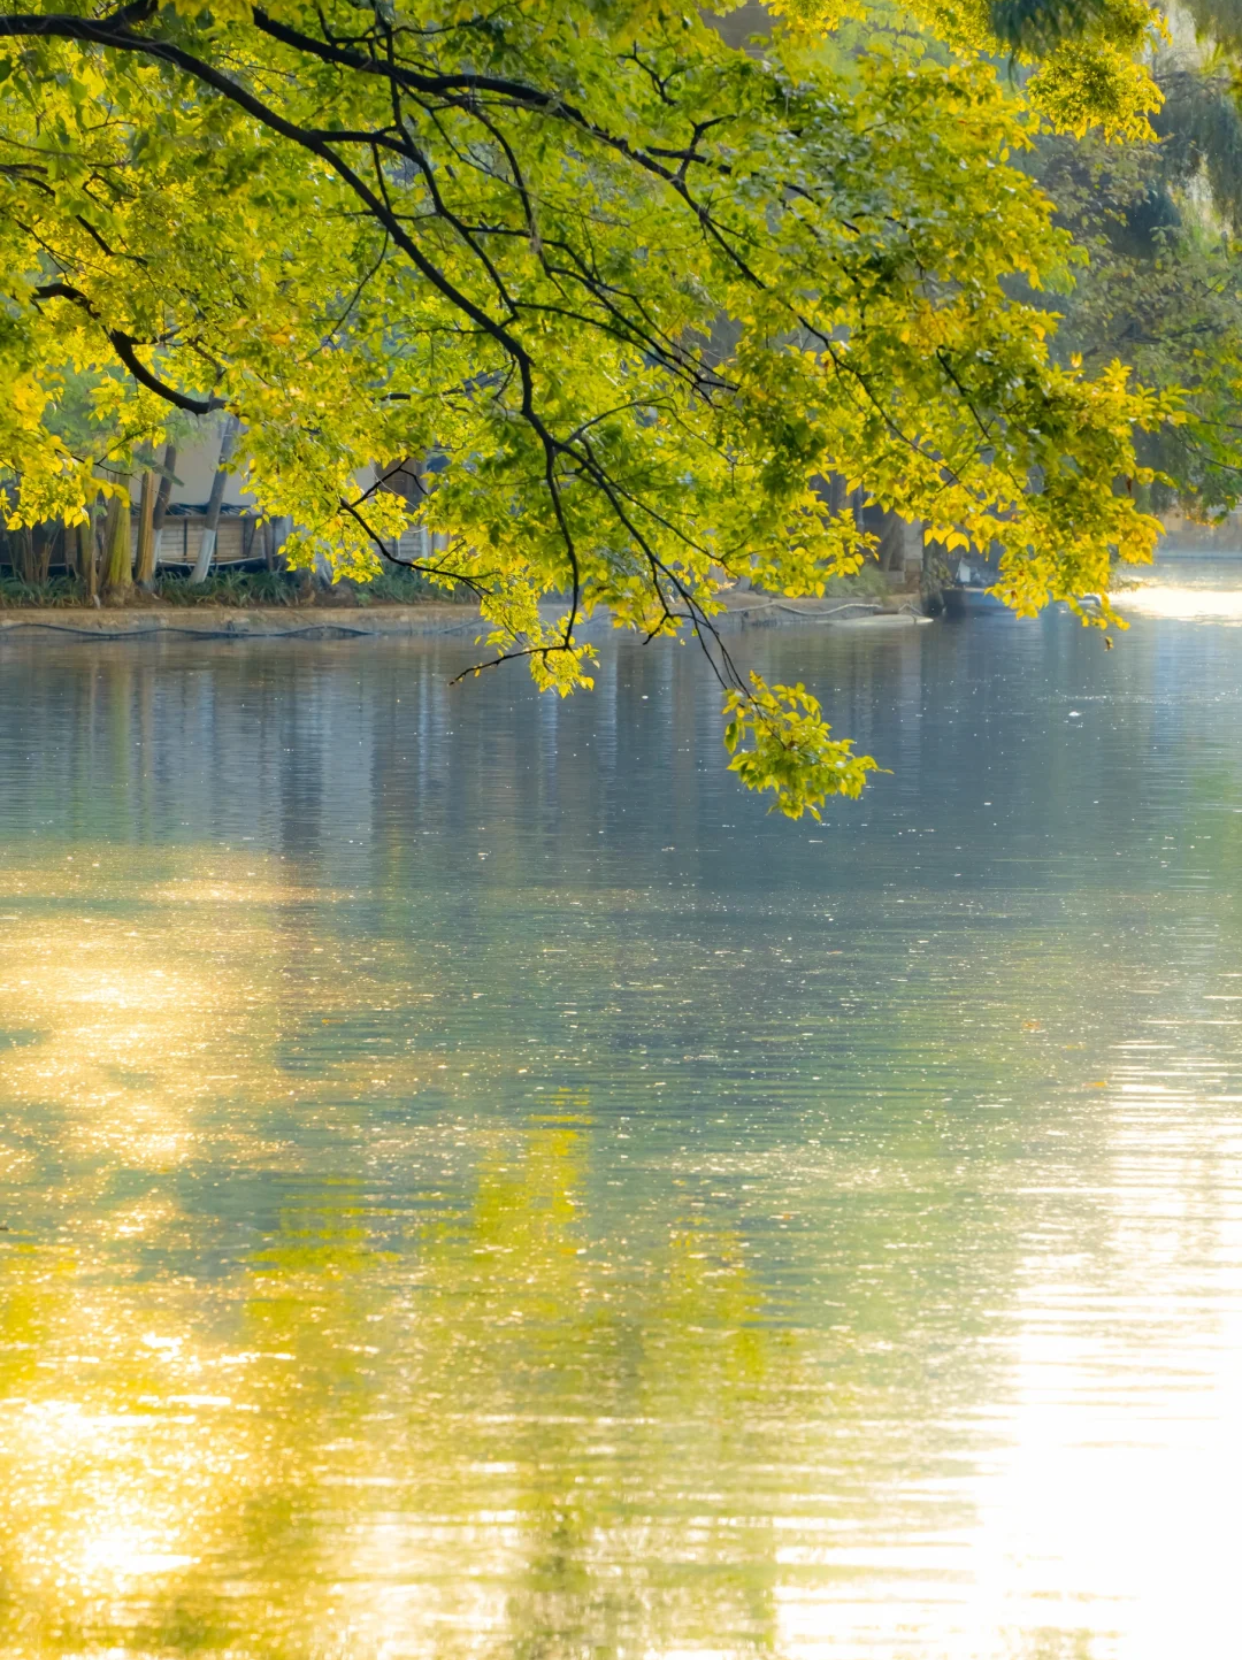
[(780, 741), (1162, 289)]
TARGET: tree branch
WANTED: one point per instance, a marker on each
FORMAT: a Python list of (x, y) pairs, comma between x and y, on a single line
[(124, 345)]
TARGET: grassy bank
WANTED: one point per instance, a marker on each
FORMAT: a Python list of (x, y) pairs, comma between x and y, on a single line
[(238, 590), (243, 590)]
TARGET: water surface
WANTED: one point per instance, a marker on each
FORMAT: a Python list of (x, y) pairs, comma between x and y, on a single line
[(477, 1186)]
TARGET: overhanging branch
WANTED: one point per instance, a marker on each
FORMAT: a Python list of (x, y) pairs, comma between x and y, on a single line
[(125, 347)]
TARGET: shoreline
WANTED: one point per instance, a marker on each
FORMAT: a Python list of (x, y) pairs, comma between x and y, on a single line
[(222, 622), (423, 621)]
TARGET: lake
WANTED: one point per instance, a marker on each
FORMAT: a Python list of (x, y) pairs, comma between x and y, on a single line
[(477, 1185)]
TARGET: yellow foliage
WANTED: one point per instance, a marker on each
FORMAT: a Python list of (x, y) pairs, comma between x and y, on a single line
[(602, 334)]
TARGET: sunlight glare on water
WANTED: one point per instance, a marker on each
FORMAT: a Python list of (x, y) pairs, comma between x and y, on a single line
[(1189, 590), (476, 1185)]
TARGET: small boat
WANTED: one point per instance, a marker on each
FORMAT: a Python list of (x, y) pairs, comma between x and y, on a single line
[(970, 595), (971, 599)]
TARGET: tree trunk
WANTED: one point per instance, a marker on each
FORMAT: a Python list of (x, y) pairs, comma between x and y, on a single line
[(45, 547), (118, 554), (892, 548), (934, 577), (22, 552), (168, 469), (88, 554), (144, 572), (31, 549), (206, 552), (278, 530)]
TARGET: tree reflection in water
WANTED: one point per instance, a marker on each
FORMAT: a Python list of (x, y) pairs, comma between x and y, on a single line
[(379, 1426), (474, 1193)]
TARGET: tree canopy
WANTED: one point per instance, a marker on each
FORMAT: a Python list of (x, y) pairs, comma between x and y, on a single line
[(608, 295)]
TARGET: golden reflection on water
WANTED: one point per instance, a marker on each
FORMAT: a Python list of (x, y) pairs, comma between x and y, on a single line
[(1183, 591), (1183, 604), (133, 1449), (327, 1446), (137, 1003), (256, 1401)]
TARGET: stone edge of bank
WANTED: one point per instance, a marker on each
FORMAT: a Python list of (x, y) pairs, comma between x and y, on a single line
[(226, 623), (392, 622)]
